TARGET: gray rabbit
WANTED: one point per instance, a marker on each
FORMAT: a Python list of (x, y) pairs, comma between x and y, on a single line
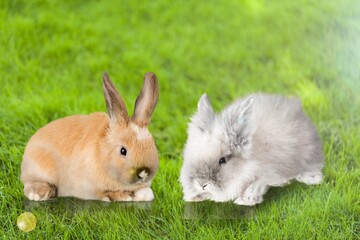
[(255, 143)]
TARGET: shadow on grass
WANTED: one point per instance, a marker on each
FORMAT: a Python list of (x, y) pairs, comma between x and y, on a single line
[(78, 205), (200, 210), (213, 210), (229, 210), (206, 210)]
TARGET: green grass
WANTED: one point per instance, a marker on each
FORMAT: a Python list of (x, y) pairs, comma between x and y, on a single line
[(53, 53)]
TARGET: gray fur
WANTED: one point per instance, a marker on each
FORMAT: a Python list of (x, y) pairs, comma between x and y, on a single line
[(204, 117), (267, 140)]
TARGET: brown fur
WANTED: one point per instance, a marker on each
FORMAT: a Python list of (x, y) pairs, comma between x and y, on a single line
[(80, 156)]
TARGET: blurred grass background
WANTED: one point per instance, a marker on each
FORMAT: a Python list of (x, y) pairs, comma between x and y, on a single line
[(53, 54)]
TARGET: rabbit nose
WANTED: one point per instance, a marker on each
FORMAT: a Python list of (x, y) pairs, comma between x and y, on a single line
[(143, 173)]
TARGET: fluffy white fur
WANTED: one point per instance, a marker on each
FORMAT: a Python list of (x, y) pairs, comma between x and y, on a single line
[(144, 194), (141, 132), (266, 141)]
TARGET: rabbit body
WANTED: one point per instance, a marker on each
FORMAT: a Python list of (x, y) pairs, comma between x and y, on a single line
[(97, 156), (255, 143)]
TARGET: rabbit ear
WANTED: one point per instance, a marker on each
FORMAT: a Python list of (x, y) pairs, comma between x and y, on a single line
[(146, 101), (114, 102), (204, 104), (238, 117), (204, 117), (245, 106), (236, 123)]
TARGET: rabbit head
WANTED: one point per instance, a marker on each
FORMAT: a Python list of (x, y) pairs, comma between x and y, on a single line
[(132, 156), (215, 151)]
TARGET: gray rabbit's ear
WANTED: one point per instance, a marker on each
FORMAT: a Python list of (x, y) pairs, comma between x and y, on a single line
[(245, 107), (204, 116), (236, 116), (236, 124), (204, 105)]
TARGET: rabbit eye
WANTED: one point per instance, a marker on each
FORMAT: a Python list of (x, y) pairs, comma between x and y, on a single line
[(123, 151), (222, 161)]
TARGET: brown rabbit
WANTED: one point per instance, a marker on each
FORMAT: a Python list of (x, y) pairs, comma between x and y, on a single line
[(109, 157)]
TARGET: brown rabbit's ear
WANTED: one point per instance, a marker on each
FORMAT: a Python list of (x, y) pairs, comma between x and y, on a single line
[(114, 102), (146, 101)]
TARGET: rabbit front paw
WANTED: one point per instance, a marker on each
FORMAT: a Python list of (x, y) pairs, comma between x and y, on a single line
[(248, 201), (249, 198), (144, 195), (199, 197), (118, 196)]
